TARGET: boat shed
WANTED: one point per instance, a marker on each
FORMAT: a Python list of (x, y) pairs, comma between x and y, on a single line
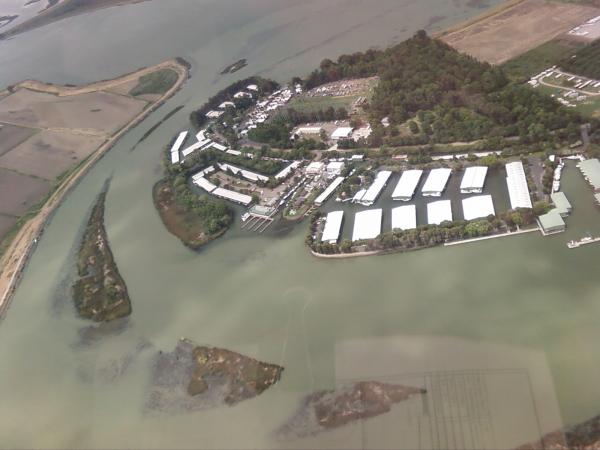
[(407, 185), (328, 191), (367, 224), (436, 182), (333, 226), (438, 212), (473, 180), (232, 196), (342, 133), (590, 168), (563, 206), (518, 190), (375, 189), (404, 217), (478, 207), (552, 222), (176, 146)]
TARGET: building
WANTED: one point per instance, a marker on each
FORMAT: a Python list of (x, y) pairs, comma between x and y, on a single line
[(333, 227), (214, 114), (563, 206), (436, 182), (242, 94), (252, 87), (224, 105), (248, 175), (367, 224), (407, 185), (335, 168), (203, 183), (288, 169), (308, 131), (176, 146), (232, 196), (315, 168), (518, 190), (328, 191), (552, 222), (375, 189), (438, 212), (478, 207), (342, 133), (404, 217), (473, 180), (590, 168)]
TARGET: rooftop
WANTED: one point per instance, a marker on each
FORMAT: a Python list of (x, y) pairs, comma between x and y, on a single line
[(333, 226), (478, 207), (436, 182), (405, 189), (552, 221), (591, 171), (474, 179), (328, 191), (518, 190), (438, 212), (404, 217), (561, 202), (367, 224), (375, 188)]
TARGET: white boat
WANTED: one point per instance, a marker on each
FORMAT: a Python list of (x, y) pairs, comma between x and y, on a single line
[(245, 217)]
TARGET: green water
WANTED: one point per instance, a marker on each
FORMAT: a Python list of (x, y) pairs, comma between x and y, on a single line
[(503, 333)]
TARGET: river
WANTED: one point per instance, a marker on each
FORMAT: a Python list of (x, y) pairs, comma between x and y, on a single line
[(502, 333)]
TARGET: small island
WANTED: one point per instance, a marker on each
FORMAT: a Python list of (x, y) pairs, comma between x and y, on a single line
[(232, 68), (195, 377), (328, 409), (100, 293)]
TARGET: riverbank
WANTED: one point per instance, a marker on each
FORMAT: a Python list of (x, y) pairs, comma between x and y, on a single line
[(15, 258)]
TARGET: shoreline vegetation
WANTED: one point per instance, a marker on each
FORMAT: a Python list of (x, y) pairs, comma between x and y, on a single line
[(99, 293), (15, 257)]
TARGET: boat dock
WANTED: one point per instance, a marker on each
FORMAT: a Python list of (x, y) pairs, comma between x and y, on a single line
[(258, 218), (583, 241)]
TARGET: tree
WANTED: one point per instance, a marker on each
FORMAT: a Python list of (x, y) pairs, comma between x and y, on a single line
[(414, 127)]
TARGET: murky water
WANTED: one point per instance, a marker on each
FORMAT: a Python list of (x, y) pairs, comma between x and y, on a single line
[(502, 333)]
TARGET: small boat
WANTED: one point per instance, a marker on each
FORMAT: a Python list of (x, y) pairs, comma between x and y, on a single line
[(245, 217)]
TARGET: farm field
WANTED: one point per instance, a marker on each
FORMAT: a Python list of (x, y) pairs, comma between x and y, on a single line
[(11, 136), (18, 193), (519, 28)]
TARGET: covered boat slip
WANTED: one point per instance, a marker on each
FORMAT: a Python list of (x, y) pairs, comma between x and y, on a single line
[(372, 193), (473, 180), (436, 182), (404, 218), (590, 169), (333, 227), (518, 190), (407, 185), (438, 212), (478, 207), (367, 224)]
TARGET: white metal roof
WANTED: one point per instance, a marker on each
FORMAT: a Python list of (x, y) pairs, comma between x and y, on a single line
[(591, 171), (478, 207), (333, 226), (376, 188), (204, 184), (436, 181), (252, 176), (179, 141), (286, 171), (192, 148), (367, 224), (405, 189), (218, 146), (328, 191), (518, 190), (335, 166), (233, 196), (404, 217), (341, 132), (438, 212), (474, 178)]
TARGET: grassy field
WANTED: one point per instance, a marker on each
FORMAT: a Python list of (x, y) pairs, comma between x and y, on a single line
[(534, 61), (589, 107), (311, 104), (155, 83)]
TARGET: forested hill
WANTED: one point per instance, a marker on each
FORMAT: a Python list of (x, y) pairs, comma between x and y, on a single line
[(451, 96)]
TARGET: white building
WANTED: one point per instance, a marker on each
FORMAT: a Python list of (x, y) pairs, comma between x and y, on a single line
[(375, 189), (436, 182), (367, 224), (242, 94), (404, 217), (478, 207), (315, 168), (252, 87), (248, 175), (328, 191), (204, 184), (176, 146), (407, 185), (438, 212), (288, 169), (308, 131), (342, 133), (214, 114), (335, 168), (333, 226), (232, 196), (473, 180), (226, 104), (518, 190)]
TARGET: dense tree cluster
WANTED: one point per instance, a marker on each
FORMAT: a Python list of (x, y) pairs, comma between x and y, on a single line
[(585, 62)]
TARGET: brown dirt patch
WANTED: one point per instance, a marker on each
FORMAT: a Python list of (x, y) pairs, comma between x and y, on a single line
[(11, 136), (19, 192), (48, 154), (514, 31), (102, 112), (6, 223)]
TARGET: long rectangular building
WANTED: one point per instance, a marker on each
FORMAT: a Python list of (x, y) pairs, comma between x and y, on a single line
[(590, 168), (204, 184), (192, 148), (438, 212), (333, 226), (518, 190), (367, 224), (404, 218), (436, 182), (375, 189), (328, 191), (251, 176), (407, 185), (176, 146), (478, 207), (473, 180), (232, 196)]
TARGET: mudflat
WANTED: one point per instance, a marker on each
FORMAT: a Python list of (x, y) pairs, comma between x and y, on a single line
[(517, 29)]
